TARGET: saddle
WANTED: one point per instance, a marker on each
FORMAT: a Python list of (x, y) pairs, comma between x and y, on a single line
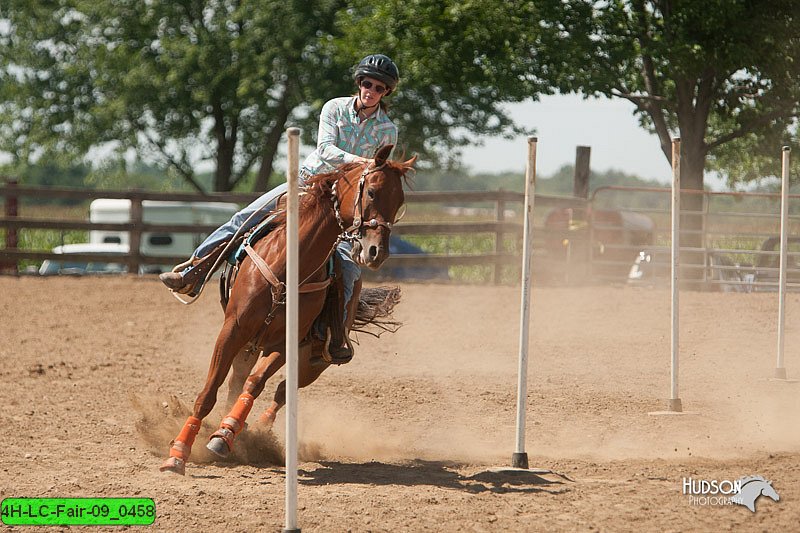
[(328, 328)]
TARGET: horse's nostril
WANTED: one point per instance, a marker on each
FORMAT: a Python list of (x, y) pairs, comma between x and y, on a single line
[(373, 252)]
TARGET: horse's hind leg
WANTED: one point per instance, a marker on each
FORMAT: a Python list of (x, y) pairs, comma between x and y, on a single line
[(231, 339), (221, 442), (307, 373)]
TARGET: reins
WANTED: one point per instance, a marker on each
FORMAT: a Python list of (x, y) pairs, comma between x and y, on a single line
[(358, 223), (278, 288)]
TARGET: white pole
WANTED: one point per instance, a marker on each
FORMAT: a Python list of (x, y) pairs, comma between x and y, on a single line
[(780, 369), (674, 401), (520, 458), (292, 341)]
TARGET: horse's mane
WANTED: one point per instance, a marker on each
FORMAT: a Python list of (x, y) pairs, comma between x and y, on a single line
[(318, 187), (325, 180), (748, 479)]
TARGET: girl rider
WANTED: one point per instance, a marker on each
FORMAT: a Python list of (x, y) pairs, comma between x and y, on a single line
[(351, 130)]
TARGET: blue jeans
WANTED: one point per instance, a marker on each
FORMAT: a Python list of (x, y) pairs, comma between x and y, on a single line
[(266, 203), (350, 272)]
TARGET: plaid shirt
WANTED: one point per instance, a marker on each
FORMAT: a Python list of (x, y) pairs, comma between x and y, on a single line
[(343, 135)]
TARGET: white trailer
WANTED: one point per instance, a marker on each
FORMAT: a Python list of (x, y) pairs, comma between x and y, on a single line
[(159, 212)]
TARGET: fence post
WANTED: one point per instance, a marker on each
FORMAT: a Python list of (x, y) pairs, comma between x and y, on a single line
[(498, 240), (704, 236), (11, 210), (135, 237), (580, 184)]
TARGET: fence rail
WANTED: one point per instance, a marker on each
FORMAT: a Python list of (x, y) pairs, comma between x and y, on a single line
[(500, 227), (578, 247)]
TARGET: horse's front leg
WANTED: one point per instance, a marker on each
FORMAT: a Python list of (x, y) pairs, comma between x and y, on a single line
[(230, 341), (221, 442), (240, 369)]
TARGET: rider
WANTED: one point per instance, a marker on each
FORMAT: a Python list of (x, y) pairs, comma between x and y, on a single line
[(351, 129)]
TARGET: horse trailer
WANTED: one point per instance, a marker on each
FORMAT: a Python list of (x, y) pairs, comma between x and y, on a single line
[(165, 244)]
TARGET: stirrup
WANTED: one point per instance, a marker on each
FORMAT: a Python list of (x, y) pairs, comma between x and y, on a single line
[(340, 355)]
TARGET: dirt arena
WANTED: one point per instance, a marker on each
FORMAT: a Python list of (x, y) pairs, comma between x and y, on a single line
[(401, 438)]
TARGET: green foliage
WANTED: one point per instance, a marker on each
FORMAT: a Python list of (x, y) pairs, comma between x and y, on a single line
[(181, 82), (712, 71), (756, 159), (459, 61), (559, 184), (198, 81)]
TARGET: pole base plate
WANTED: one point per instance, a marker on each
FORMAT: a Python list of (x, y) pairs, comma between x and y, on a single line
[(519, 460)]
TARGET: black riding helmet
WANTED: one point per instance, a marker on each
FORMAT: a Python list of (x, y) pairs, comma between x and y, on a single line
[(381, 68)]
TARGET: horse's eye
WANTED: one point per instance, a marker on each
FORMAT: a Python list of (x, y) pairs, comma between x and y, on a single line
[(371, 194)]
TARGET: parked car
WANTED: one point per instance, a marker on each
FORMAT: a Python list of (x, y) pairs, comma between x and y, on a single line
[(67, 266), (766, 275), (398, 246), (164, 244), (652, 267)]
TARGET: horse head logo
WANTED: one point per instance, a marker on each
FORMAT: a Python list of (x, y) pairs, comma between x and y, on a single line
[(752, 488)]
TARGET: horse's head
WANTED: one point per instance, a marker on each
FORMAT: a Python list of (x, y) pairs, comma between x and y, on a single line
[(376, 197)]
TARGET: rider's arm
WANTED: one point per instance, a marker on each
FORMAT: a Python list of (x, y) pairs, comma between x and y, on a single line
[(327, 135)]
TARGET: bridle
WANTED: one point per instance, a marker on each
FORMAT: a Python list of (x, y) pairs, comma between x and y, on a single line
[(356, 230)]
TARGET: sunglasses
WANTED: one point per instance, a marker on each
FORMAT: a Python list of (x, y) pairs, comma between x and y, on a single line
[(380, 89)]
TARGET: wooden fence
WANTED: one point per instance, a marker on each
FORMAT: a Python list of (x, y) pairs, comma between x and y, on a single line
[(500, 226)]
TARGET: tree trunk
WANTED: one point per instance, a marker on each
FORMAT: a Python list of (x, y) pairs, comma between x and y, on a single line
[(226, 149), (222, 176), (693, 159), (270, 148)]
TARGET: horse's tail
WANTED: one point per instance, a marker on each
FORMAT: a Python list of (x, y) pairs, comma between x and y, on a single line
[(375, 308)]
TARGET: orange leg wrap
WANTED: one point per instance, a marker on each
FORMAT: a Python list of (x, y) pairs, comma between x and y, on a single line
[(235, 419), (182, 445)]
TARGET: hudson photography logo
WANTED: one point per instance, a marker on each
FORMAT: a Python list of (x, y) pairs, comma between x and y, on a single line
[(743, 491)]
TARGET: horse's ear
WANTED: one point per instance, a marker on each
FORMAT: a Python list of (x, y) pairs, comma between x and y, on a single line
[(410, 162), (383, 154)]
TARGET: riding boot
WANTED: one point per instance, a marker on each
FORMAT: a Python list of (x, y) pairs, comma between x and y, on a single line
[(190, 281), (337, 343)]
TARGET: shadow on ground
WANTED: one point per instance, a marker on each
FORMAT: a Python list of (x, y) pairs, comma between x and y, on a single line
[(434, 473)]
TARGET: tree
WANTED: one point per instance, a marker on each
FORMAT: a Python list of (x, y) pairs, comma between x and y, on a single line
[(181, 82), (459, 63), (218, 80), (713, 71)]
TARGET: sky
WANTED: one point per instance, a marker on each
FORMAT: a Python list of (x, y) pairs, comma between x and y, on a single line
[(563, 122)]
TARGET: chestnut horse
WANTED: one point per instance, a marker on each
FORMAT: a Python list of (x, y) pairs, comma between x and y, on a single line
[(358, 202)]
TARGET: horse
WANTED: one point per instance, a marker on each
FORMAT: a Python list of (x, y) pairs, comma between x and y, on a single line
[(359, 202)]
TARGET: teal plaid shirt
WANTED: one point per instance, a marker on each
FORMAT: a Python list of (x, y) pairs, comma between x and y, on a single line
[(342, 136)]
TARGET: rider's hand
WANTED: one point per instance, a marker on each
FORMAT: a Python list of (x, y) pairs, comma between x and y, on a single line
[(365, 160)]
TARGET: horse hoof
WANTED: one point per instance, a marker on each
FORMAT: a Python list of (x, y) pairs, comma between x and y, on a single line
[(174, 465), (219, 447)]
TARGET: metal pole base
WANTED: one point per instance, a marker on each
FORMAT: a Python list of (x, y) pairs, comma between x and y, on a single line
[(780, 373), (674, 404), (291, 530), (519, 460)]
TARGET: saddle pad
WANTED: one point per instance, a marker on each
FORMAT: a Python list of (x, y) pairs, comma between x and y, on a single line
[(257, 233)]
